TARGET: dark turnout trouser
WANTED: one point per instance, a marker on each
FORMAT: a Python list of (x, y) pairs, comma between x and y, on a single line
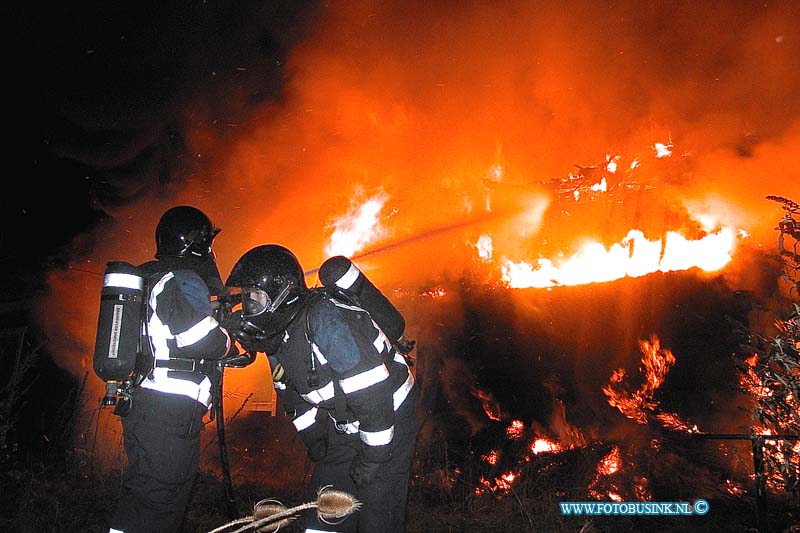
[(162, 443), (383, 501)]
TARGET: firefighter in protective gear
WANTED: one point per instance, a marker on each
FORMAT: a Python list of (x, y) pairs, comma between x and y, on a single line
[(162, 427), (350, 395)]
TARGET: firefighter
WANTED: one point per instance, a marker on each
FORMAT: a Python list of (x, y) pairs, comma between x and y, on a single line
[(350, 394), (162, 426)]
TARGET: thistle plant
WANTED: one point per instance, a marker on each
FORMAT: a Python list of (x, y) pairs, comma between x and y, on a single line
[(270, 515)]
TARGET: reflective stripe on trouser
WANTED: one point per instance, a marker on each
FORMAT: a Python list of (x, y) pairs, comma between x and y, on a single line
[(384, 500)]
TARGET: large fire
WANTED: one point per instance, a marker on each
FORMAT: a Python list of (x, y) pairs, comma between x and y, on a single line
[(492, 149), (633, 256)]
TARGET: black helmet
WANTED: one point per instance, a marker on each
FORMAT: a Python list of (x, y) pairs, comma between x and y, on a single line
[(184, 231), (272, 287)]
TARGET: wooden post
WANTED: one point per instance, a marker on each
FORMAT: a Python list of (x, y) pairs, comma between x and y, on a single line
[(761, 483)]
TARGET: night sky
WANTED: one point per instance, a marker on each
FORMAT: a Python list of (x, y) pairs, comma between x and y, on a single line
[(102, 97)]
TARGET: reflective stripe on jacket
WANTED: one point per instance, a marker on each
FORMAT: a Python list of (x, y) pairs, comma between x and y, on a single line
[(341, 345), (179, 329)]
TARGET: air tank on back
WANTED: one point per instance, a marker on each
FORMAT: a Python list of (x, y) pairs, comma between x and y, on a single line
[(118, 324), (340, 273)]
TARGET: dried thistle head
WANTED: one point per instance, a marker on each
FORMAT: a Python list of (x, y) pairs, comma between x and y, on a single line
[(335, 504), (265, 509)]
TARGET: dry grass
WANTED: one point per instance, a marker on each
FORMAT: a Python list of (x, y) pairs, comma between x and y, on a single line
[(44, 501), (61, 492)]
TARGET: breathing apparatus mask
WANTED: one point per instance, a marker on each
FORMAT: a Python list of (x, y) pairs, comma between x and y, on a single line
[(254, 308), (257, 320), (267, 289)]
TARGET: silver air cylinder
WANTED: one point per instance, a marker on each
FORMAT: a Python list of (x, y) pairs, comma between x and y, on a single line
[(343, 274), (119, 321)]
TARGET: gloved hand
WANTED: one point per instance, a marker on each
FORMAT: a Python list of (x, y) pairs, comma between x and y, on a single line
[(404, 346), (238, 360), (250, 342), (317, 450), (363, 471)]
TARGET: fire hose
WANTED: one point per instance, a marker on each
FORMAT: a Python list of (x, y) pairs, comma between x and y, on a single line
[(219, 415)]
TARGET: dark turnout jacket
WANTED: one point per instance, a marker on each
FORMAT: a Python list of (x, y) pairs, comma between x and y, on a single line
[(339, 367)]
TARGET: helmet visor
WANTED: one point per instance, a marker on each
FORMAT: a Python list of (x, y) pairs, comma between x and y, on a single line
[(254, 300), (198, 242)]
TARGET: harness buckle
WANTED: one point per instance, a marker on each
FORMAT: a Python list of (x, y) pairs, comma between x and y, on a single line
[(344, 427)]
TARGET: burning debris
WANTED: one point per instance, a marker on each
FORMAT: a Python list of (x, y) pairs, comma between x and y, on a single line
[(607, 467), (606, 182), (655, 364)]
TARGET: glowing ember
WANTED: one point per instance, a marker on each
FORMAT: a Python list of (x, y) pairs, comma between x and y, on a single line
[(515, 430), (655, 364), (674, 422), (734, 488), (358, 228), (610, 464), (490, 406), (542, 445), (600, 187), (508, 478), (634, 256), (494, 174), (491, 457), (433, 293), (780, 452), (501, 483), (640, 490), (601, 488), (611, 165)]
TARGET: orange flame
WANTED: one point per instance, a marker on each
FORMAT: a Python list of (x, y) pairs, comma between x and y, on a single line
[(608, 466), (542, 445), (501, 483), (655, 364), (358, 228), (634, 256), (490, 406)]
